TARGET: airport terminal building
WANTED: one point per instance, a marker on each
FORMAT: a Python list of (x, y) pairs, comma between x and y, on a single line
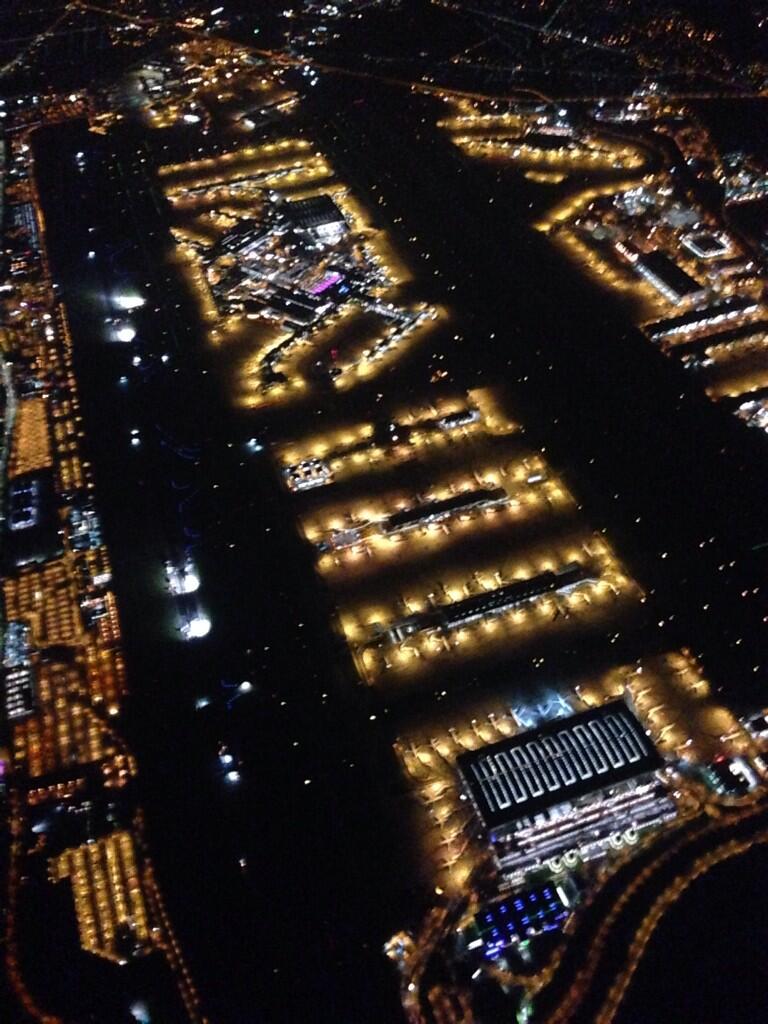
[(567, 791)]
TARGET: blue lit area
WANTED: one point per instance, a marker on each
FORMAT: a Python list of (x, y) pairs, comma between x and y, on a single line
[(16, 645), (84, 527), (513, 920), (531, 715), (23, 503)]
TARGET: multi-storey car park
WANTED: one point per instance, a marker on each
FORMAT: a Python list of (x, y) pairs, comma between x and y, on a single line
[(70, 776)]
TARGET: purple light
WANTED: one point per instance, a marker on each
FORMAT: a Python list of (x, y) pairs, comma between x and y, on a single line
[(326, 283)]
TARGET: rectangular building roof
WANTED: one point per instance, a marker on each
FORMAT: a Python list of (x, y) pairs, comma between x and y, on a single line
[(716, 312), (671, 277), (556, 762), (444, 506), (513, 593), (753, 329), (314, 212)]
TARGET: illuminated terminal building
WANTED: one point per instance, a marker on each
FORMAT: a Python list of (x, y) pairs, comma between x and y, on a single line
[(425, 514), (493, 602), (697, 347), (281, 265), (436, 511), (567, 791), (461, 418), (700, 319)]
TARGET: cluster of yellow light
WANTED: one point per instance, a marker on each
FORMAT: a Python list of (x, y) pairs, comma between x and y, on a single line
[(574, 204), (31, 442), (251, 392), (218, 206), (71, 472), (335, 445), (376, 244), (55, 792), (63, 730), (247, 162), (105, 674), (108, 625), (564, 221), (117, 770), (545, 177), (96, 562), (210, 85), (651, 305), (471, 123), (204, 190), (46, 598), (301, 179), (76, 694), (188, 263), (492, 411), (203, 233), (598, 600), (739, 381), (448, 827), (54, 356), (361, 361), (582, 158), (329, 445), (165, 116), (504, 135), (108, 894), (674, 699), (526, 501), (738, 367), (65, 432), (365, 360), (668, 690), (703, 330)]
